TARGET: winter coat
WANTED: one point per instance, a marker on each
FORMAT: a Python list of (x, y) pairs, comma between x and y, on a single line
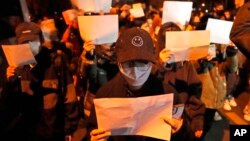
[(117, 88), (184, 78), (240, 31), (48, 99), (213, 87)]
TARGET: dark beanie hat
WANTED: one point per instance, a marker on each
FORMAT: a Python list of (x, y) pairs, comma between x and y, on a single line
[(135, 44), (27, 31)]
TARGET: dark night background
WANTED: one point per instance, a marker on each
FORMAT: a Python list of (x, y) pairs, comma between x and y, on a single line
[(49, 7)]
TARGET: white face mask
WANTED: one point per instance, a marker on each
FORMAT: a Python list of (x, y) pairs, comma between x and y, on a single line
[(35, 47), (137, 75)]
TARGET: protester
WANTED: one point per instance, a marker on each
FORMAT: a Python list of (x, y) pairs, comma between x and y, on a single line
[(240, 37), (135, 58), (98, 66), (46, 93), (231, 69), (237, 5), (8, 105), (72, 38), (71, 59), (183, 76), (218, 74), (152, 25)]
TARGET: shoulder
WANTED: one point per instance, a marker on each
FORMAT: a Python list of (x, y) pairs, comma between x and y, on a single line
[(113, 88)]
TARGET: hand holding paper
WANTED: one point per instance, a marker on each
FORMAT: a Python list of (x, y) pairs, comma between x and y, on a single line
[(166, 55), (174, 123), (89, 46), (10, 71), (99, 135), (145, 120)]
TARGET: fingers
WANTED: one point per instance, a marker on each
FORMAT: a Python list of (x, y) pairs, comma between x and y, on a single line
[(99, 135), (10, 71), (96, 132), (166, 51), (170, 122), (165, 55), (174, 123), (89, 46)]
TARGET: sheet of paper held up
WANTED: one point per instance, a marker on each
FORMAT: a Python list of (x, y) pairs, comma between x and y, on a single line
[(137, 10), (188, 45), (94, 5), (219, 30), (177, 12), (18, 55), (135, 116), (99, 28)]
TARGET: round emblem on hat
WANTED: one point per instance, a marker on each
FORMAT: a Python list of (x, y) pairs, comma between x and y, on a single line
[(137, 41)]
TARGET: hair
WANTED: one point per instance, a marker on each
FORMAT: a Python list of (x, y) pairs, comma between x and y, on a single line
[(161, 36), (218, 2), (203, 22)]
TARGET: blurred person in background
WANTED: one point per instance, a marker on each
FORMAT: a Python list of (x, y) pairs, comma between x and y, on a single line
[(184, 78), (240, 37), (98, 66), (218, 74), (45, 91), (218, 10), (8, 109)]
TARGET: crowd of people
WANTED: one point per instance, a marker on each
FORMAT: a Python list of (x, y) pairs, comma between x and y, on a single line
[(52, 100)]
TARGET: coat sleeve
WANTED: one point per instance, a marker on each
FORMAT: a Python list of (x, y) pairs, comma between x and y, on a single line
[(71, 108), (195, 110), (194, 82)]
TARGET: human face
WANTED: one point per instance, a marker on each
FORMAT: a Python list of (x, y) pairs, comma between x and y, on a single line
[(238, 3), (135, 72), (35, 46)]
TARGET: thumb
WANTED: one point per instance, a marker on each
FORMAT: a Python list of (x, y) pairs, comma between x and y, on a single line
[(169, 121)]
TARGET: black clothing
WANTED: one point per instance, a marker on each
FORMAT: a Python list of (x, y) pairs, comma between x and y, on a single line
[(118, 88)]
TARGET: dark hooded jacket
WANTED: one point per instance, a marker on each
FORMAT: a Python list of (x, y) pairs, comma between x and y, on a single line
[(240, 32)]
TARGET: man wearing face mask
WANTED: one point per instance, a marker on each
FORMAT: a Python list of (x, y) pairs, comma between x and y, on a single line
[(135, 58), (45, 91)]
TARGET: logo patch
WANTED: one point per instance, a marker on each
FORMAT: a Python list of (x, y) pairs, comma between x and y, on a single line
[(137, 41)]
